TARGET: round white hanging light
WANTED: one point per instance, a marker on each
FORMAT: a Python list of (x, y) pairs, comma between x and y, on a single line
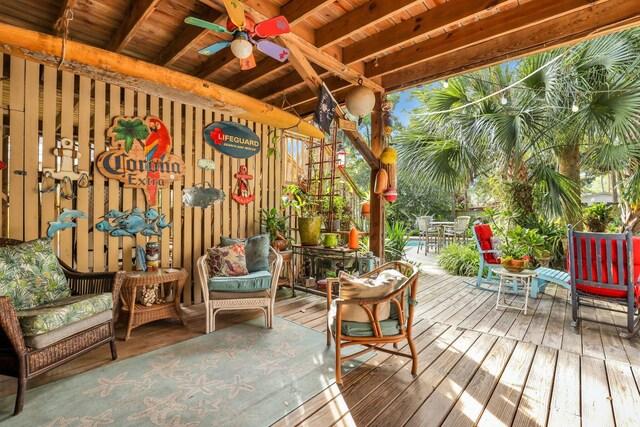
[(360, 100), (241, 48)]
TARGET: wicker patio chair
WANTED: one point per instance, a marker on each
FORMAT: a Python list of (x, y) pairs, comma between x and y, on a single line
[(402, 302), (426, 232), (457, 231), (23, 362), (605, 267), (217, 301)]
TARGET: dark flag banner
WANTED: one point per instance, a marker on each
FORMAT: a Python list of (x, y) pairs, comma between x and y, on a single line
[(325, 110)]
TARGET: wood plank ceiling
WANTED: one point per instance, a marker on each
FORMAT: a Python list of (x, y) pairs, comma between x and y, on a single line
[(391, 44)]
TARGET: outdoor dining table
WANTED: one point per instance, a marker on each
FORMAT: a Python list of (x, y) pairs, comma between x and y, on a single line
[(440, 225)]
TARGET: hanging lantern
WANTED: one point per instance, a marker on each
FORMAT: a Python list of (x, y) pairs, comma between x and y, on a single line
[(390, 195), (341, 157), (360, 100)]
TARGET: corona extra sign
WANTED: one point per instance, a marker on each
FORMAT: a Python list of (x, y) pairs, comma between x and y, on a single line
[(140, 155)]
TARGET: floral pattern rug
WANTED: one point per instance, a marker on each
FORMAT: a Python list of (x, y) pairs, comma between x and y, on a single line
[(244, 375)]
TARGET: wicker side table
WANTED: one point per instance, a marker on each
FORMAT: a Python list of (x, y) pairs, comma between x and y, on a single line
[(170, 279)]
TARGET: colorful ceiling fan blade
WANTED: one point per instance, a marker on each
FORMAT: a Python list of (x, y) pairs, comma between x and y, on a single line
[(205, 24), (275, 51), (273, 27), (248, 62), (235, 9), (217, 46)]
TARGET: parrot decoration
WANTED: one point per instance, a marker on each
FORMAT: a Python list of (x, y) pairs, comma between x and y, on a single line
[(140, 156), (156, 147)]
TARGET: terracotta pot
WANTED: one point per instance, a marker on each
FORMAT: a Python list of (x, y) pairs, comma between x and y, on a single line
[(280, 245), (515, 265)]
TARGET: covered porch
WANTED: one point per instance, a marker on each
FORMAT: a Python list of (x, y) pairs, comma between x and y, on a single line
[(109, 76)]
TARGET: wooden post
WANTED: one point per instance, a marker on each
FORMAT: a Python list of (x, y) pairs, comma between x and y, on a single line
[(377, 217)]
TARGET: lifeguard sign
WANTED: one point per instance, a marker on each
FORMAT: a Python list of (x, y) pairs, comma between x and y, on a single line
[(232, 139), (141, 157)]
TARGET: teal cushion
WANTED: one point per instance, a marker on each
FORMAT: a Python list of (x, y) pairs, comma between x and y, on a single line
[(256, 250), (252, 282), (31, 275), (390, 326), (63, 312)]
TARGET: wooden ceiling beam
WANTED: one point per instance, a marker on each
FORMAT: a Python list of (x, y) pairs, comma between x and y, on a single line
[(303, 95), (215, 63), (530, 14), (189, 36), (363, 16), (601, 19), (263, 69), (130, 73), (331, 64), (298, 10), (434, 19), (314, 82), (281, 85), (140, 10)]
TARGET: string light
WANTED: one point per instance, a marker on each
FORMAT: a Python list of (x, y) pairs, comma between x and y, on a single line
[(574, 106), (445, 83), (504, 99)]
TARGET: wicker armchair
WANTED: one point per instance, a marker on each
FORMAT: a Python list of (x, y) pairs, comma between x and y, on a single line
[(218, 301), (399, 298), (20, 361)]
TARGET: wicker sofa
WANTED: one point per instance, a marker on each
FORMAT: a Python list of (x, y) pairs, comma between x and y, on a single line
[(49, 313)]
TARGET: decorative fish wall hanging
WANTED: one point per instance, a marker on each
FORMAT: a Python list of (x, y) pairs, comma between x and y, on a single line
[(201, 196), (132, 222), (62, 224)]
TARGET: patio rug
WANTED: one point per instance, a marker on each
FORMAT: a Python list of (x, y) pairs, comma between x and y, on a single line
[(243, 375)]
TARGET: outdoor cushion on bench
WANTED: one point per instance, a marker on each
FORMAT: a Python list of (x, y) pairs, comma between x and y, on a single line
[(48, 317), (252, 282)]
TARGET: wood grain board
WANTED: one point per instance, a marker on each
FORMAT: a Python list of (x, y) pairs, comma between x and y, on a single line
[(45, 105)]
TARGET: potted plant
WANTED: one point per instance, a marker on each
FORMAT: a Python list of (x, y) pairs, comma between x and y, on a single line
[(522, 246), (276, 224), (309, 222), (597, 217)]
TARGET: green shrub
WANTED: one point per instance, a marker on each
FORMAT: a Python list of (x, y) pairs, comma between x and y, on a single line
[(395, 241), (459, 260)]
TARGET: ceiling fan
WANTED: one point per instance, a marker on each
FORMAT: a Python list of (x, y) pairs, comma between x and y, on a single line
[(244, 28)]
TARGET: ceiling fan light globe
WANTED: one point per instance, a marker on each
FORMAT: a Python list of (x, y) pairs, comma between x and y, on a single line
[(241, 48)]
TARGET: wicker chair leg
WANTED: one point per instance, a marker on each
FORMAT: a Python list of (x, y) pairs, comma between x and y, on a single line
[(22, 388), (114, 352)]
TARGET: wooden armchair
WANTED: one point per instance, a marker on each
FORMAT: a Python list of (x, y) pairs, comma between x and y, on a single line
[(24, 362), (397, 328)]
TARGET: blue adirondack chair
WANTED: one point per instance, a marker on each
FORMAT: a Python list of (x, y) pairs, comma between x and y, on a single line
[(488, 257)]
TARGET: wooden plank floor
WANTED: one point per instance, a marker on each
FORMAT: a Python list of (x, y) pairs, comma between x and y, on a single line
[(478, 365)]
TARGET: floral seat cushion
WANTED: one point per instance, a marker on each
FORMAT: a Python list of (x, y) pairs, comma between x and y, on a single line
[(48, 317), (31, 275)]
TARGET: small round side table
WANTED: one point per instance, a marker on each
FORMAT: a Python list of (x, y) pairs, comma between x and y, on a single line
[(516, 280), (171, 279), (287, 267)]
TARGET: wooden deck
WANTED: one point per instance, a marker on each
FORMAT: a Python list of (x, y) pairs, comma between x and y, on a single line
[(478, 366)]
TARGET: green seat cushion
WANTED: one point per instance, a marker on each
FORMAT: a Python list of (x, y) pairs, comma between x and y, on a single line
[(31, 275), (252, 282), (390, 326), (49, 317), (256, 250)]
